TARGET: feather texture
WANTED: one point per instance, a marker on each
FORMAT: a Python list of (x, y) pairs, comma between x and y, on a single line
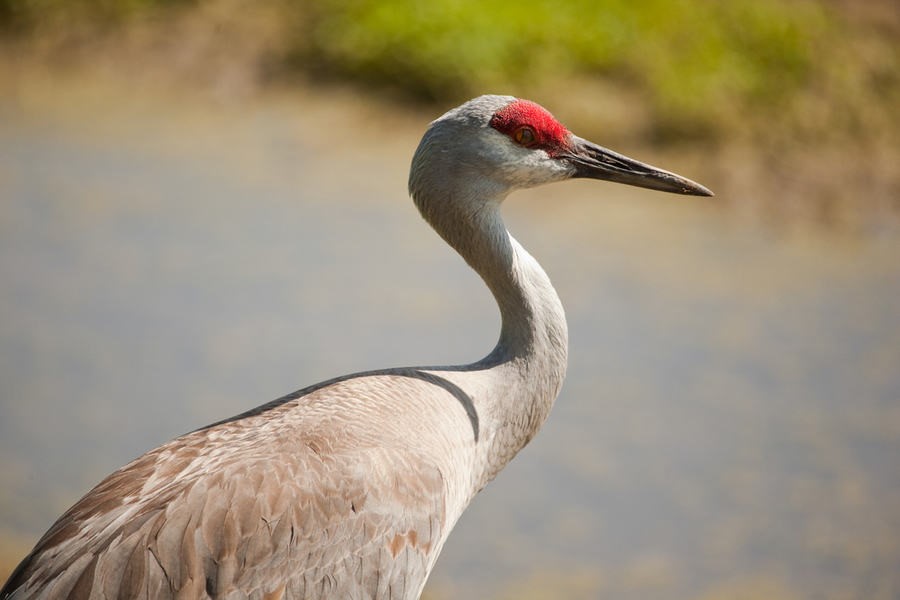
[(295, 502)]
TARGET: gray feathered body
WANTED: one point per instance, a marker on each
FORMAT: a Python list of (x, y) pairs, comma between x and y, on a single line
[(345, 491)]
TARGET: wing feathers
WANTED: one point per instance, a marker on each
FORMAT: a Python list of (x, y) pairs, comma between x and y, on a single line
[(300, 504)]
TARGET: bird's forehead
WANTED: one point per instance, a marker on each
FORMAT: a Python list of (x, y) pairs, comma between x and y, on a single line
[(519, 113)]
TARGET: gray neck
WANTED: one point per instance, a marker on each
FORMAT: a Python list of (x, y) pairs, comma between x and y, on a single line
[(514, 387)]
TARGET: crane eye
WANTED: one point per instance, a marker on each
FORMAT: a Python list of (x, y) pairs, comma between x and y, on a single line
[(525, 136)]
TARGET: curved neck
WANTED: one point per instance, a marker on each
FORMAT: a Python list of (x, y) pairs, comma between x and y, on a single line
[(521, 377)]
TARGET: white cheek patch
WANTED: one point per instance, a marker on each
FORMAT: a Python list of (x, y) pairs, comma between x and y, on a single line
[(528, 168)]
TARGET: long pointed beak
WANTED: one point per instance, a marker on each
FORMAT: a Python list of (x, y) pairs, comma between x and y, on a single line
[(596, 162)]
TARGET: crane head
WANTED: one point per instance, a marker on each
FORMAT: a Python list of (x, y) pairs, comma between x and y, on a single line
[(532, 127), (493, 144)]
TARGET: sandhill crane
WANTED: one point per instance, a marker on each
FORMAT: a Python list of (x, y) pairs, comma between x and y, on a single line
[(349, 488)]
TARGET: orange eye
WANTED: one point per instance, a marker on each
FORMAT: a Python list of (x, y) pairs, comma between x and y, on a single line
[(525, 136)]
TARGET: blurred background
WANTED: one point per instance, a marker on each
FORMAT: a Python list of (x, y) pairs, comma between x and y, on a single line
[(203, 207)]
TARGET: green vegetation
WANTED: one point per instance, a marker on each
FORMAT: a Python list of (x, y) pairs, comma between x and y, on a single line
[(685, 56), (698, 68)]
